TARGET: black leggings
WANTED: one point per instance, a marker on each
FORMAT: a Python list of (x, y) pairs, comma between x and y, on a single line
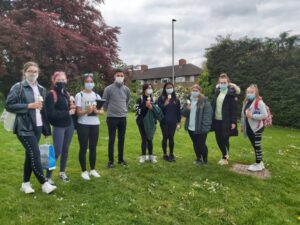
[(199, 144), (168, 132), (114, 124), (88, 138), (255, 139), (32, 157), (145, 142), (222, 141)]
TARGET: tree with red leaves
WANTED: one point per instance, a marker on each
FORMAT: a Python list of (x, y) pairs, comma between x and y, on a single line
[(59, 35)]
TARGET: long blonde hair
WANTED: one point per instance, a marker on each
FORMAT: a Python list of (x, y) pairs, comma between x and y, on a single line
[(253, 86)]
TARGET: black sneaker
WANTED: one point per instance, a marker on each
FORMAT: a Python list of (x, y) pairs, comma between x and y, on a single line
[(123, 163), (172, 158), (205, 163), (110, 165), (198, 162), (166, 157)]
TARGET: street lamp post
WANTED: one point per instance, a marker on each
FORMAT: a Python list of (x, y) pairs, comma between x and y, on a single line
[(173, 70)]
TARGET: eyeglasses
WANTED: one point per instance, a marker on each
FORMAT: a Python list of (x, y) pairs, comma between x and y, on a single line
[(32, 71)]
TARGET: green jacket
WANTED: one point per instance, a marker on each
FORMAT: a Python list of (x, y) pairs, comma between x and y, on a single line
[(204, 115), (149, 121)]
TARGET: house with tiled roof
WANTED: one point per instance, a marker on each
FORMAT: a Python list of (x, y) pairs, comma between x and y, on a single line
[(185, 74)]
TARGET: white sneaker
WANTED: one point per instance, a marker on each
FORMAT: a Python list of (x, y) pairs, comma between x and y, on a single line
[(143, 158), (85, 175), (152, 159), (94, 173), (48, 188), (50, 181), (256, 167), (223, 162), (27, 188)]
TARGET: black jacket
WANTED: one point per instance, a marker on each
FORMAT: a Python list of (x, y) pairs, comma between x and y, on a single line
[(172, 114), (229, 111), (18, 98), (58, 112)]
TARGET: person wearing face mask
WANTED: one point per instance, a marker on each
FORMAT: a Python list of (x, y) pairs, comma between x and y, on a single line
[(198, 113), (144, 104), (25, 98), (253, 113), (117, 96), (59, 111), (170, 106), (224, 105), (88, 126)]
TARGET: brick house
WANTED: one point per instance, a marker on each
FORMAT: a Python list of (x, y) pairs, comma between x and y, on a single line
[(185, 74)]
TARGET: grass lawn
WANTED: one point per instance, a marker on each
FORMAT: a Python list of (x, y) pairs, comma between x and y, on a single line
[(165, 193)]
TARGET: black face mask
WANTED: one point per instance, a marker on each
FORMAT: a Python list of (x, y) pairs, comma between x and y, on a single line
[(60, 86)]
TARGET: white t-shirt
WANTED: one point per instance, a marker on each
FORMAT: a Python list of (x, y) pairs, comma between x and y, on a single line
[(83, 100)]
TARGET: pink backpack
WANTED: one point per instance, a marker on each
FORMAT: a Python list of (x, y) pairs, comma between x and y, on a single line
[(268, 121)]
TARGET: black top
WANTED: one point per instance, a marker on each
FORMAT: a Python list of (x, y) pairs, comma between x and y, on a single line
[(58, 112)]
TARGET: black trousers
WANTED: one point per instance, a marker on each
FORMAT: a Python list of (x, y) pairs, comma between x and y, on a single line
[(199, 144), (145, 142), (168, 132), (222, 140), (88, 138), (114, 124), (255, 139), (32, 157)]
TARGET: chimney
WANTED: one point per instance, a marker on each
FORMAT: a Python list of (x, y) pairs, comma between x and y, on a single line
[(182, 62), (144, 68)]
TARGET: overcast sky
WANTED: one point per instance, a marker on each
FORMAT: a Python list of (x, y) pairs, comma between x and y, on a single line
[(146, 30)]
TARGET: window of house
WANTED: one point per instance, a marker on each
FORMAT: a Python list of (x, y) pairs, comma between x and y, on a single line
[(179, 79), (164, 80), (192, 78)]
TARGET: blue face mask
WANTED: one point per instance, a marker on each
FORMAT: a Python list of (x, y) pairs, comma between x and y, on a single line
[(250, 96), (223, 87), (195, 94), (89, 86)]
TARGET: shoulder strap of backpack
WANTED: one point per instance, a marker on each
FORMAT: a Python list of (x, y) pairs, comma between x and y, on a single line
[(54, 94), (256, 104)]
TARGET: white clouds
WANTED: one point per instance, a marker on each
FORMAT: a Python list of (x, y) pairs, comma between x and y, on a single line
[(146, 25)]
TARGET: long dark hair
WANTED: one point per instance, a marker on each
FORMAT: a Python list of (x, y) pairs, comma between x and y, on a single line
[(165, 94), (145, 87)]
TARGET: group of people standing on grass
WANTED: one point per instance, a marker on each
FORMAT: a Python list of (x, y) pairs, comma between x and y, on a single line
[(37, 109)]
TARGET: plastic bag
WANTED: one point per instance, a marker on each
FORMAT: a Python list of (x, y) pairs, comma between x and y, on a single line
[(47, 156), (8, 120)]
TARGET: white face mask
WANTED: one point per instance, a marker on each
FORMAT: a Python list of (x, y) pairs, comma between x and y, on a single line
[(169, 90), (31, 78), (149, 91), (119, 79)]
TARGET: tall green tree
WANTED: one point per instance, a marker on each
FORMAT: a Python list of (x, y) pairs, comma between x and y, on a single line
[(271, 63)]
